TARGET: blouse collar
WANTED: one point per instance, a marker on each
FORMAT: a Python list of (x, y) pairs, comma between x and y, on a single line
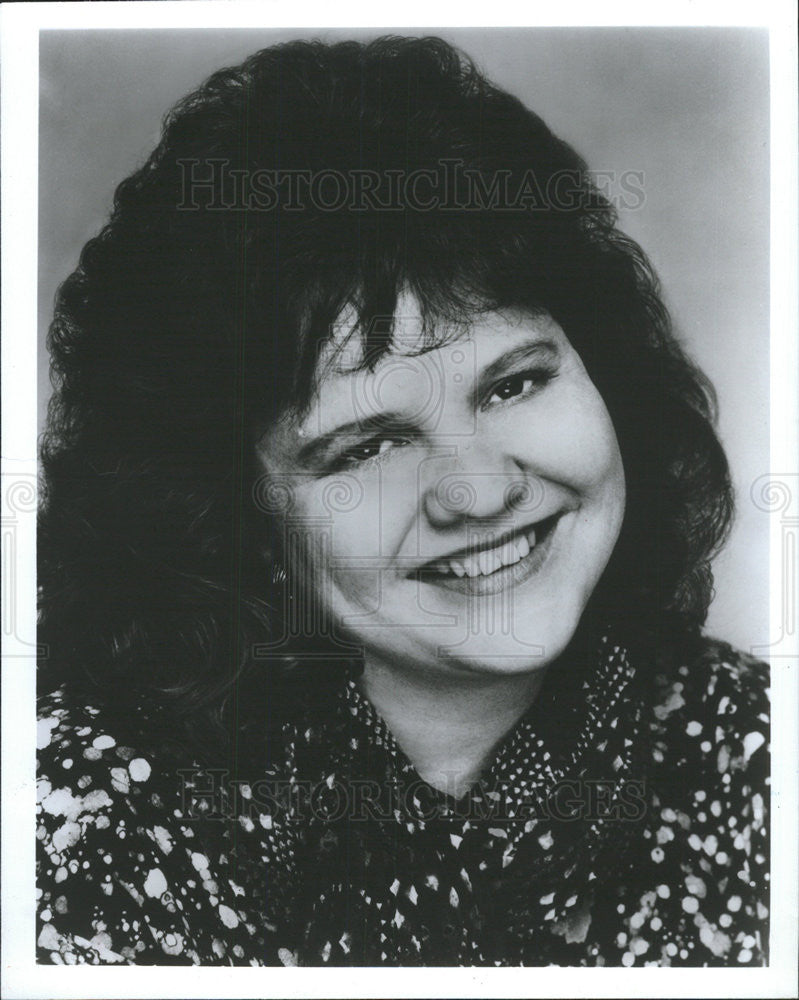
[(567, 724)]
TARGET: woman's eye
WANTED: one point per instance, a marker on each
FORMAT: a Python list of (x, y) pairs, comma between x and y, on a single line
[(371, 449), (517, 385)]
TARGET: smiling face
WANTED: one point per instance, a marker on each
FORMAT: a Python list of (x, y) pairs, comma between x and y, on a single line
[(456, 507)]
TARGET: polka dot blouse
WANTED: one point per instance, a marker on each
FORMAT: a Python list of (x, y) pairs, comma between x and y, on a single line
[(615, 826)]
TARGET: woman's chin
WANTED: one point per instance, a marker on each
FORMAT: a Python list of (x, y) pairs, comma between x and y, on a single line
[(484, 655)]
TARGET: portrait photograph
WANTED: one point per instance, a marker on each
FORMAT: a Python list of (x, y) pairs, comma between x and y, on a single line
[(401, 528)]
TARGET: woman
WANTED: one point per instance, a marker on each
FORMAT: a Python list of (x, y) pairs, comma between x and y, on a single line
[(380, 503)]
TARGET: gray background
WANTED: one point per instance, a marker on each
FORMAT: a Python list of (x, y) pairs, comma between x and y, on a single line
[(688, 107)]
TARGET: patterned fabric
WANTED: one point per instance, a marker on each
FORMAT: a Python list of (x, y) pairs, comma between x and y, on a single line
[(612, 828)]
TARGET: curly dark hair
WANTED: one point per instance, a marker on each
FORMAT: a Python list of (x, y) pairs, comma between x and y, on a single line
[(193, 321)]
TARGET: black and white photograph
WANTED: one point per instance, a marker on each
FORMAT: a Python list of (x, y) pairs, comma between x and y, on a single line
[(406, 502)]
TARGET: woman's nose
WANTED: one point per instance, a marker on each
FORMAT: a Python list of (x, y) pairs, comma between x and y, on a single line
[(479, 486)]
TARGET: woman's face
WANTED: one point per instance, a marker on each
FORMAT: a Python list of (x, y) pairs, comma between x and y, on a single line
[(456, 508)]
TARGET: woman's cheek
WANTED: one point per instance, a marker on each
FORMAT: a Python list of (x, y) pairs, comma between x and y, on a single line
[(584, 443), (341, 521)]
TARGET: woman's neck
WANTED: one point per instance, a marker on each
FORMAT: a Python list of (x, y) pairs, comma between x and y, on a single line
[(448, 726)]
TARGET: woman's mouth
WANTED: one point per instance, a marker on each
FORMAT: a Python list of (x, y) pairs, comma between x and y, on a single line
[(491, 570)]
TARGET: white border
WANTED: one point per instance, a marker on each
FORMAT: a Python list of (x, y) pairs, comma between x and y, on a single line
[(784, 317), (21, 977)]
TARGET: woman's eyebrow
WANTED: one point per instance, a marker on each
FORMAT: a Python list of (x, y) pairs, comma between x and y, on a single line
[(529, 350)]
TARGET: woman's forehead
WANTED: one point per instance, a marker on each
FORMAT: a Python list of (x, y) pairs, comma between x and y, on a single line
[(410, 331), (407, 332)]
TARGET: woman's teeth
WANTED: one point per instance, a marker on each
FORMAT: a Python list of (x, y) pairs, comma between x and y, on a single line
[(489, 561)]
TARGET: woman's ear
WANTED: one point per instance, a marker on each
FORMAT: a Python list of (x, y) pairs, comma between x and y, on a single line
[(272, 563)]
